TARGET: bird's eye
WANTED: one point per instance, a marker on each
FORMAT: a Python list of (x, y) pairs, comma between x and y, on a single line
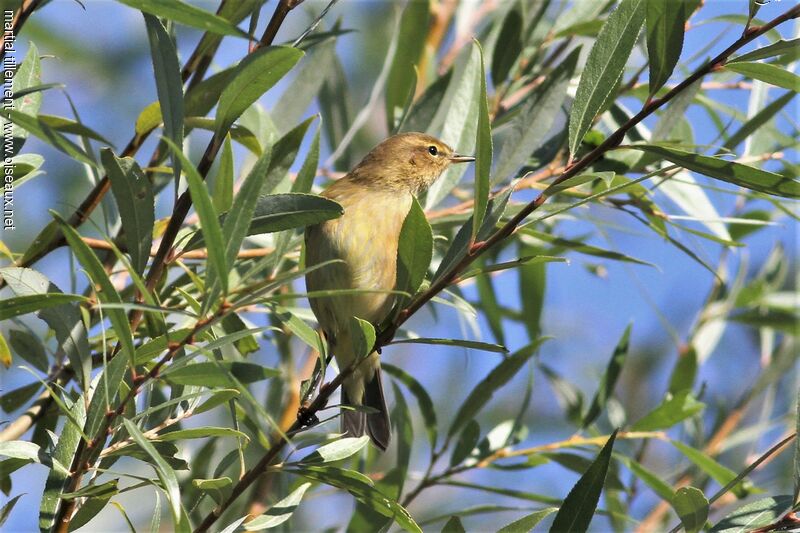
[(433, 150)]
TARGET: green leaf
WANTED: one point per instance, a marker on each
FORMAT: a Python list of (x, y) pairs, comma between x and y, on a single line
[(210, 484), (414, 251), (609, 379), (21, 305), (223, 182), (336, 450), (532, 287), (187, 15), (215, 373), (5, 512), (308, 171), (279, 512), (510, 39), (165, 473), (278, 212), (106, 293), (604, 67), (411, 45), (284, 152), (665, 24), (760, 513), (583, 248), (483, 153), (29, 348), (20, 449), (362, 489), (453, 525), (485, 389), (28, 74), (456, 119), (201, 433), (473, 345), (254, 76), (718, 472), (671, 411), (212, 233), (779, 48), (63, 453), (652, 480), (578, 509), (423, 398), (47, 134), (527, 523), (684, 372), (729, 171), (767, 73), (134, 195), (755, 122), (65, 125), (169, 85), (466, 443), (691, 506), (218, 397), (362, 334), (540, 108)]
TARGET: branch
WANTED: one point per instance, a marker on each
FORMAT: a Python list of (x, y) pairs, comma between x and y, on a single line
[(307, 414), (22, 14)]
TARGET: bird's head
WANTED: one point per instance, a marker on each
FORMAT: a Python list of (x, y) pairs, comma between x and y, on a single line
[(407, 161)]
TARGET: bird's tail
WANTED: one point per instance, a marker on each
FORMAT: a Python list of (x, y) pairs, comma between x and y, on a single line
[(374, 424)]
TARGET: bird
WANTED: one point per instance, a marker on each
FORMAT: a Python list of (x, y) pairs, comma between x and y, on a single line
[(376, 195)]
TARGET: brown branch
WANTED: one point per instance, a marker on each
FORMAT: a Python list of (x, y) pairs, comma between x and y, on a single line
[(307, 415), (22, 14)]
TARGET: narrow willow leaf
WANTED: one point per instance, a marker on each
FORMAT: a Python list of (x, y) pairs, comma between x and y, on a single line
[(21, 305), (423, 399), (453, 525), (767, 73), (187, 15), (755, 122), (527, 523), (362, 334), (412, 35), (284, 152), (165, 472), (474, 345), (278, 212), (49, 135), (609, 379), (719, 473), (5, 512), (169, 86), (485, 389), (456, 120), (28, 74), (779, 48), (254, 76), (691, 506), (759, 513), (280, 512), (579, 506), (532, 287), (665, 24), (414, 251), (604, 67), (223, 182), (308, 171), (212, 232), (729, 171), (652, 480), (5, 352), (361, 487), (65, 125), (311, 74), (483, 153), (510, 39), (201, 433), (64, 453), (99, 277), (134, 195), (541, 109), (29, 348), (215, 374), (336, 451), (671, 411), (466, 443)]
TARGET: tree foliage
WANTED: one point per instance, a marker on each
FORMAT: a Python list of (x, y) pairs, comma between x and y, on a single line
[(178, 359)]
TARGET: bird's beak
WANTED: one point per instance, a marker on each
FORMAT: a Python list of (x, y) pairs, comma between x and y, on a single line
[(457, 158)]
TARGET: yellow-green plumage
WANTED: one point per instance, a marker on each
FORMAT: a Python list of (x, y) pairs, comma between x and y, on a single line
[(376, 197)]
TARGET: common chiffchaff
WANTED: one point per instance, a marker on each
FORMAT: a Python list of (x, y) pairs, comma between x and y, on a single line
[(376, 196)]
